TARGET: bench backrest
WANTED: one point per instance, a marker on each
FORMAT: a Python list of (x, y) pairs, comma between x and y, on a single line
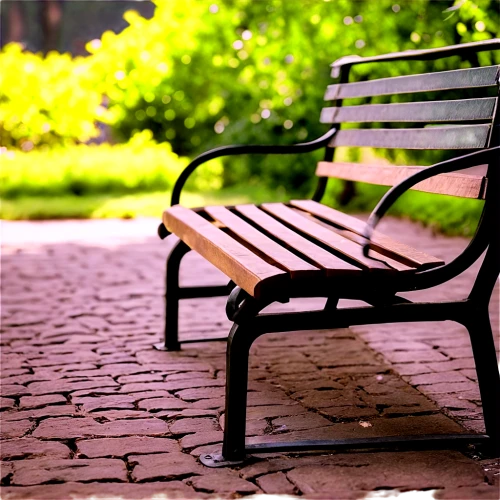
[(440, 124)]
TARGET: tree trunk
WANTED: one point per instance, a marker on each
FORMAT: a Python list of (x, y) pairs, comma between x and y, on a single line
[(15, 23), (50, 17)]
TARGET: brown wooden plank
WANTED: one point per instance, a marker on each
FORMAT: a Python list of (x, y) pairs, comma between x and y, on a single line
[(389, 258), (246, 269), (453, 184), (383, 243), (455, 137), (267, 248), (427, 112), (427, 82), (332, 265), (326, 236)]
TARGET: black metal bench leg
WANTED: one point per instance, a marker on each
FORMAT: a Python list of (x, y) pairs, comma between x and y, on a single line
[(238, 348), (172, 297), (483, 349)]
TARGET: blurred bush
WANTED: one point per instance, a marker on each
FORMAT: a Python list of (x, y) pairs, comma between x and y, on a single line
[(140, 165), (200, 74), (47, 101), (205, 73)]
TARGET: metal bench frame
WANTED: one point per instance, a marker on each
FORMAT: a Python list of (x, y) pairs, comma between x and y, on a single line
[(250, 323)]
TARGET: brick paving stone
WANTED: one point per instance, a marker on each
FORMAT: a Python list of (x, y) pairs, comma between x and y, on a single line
[(454, 364), (68, 385), (23, 448), (200, 438), (6, 472), (38, 413), (223, 481), (337, 413), (102, 416), (14, 390), (40, 401), (479, 492), (14, 429), (415, 356), (7, 403), (276, 483), (201, 393), (164, 466), (120, 447), (38, 471), (115, 401), (411, 470), (192, 425), (448, 387), (260, 412), (64, 428), (91, 358), (434, 378), (125, 491), (299, 422), (143, 377), (169, 403)]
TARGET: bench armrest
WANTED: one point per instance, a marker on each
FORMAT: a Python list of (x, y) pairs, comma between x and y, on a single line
[(305, 147), (419, 55), (471, 160)]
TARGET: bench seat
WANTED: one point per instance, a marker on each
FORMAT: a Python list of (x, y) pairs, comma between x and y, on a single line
[(278, 250)]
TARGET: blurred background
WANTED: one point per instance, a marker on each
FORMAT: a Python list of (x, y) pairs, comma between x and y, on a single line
[(103, 103)]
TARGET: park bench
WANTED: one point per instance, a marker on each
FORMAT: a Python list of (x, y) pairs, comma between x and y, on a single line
[(277, 251)]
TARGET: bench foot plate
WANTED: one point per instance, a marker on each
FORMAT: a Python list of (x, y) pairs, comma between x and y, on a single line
[(217, 460), (392, 443)]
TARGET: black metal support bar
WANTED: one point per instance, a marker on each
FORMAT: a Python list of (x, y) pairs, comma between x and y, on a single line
[(199, 292), (488, 377), (344, 318), (421, 55), (238, 347), (172, 297), (305, 147), (434, 441), (466, 161)]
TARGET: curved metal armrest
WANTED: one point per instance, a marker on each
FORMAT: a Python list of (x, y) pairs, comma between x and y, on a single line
[(420, 55), (305, 147), (460, 163)]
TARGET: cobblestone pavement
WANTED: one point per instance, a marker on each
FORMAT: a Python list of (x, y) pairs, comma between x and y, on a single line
[(90, 409)]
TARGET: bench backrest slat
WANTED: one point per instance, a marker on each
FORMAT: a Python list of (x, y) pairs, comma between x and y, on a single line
[(434, 111), (454, 184), (455, 137), (442, 110), (428, 82)]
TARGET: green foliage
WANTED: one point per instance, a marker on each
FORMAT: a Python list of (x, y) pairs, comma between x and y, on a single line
[(139, 165), (125, 206), (47, 101), (205, 73)]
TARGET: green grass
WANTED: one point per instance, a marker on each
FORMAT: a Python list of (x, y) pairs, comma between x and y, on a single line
[(445, 214), (125, 206)]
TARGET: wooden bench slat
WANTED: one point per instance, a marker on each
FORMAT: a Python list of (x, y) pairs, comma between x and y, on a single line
[(245, 268), (280, 256), (427, 82), (380, 240), (387, 258), (455, 137), (428, 112), (333, 265), (346, 247), (453, 184)]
